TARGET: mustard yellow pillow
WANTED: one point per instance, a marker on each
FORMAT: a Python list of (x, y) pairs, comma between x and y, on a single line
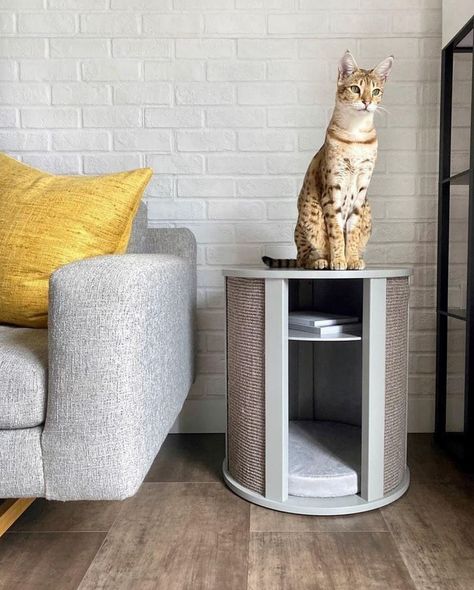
[(47, 221)]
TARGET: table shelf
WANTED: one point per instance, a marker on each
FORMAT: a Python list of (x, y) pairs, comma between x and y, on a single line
[(304, 336)]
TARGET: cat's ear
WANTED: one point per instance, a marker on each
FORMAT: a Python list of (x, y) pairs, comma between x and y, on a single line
[(384, 67), (347, 65)]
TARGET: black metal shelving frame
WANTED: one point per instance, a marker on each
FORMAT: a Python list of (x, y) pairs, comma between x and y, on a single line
[(460, 444)]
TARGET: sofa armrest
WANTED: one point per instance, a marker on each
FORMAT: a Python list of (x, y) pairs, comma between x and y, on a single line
[(120, 367)]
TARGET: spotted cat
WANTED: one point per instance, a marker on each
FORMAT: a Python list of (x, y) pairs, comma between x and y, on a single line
[(334, 219)]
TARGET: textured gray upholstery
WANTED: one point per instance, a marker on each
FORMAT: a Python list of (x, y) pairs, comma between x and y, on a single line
[(178, 241), (121, 348), (120, 336), (23, 376), (139, 228), (21, 464)]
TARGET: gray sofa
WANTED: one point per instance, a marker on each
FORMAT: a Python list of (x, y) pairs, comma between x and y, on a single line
[(86, 404)]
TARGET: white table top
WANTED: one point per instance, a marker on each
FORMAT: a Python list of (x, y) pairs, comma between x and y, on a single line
[(263, 272)]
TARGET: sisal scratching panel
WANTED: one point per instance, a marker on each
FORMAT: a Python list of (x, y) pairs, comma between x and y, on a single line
[(396, 388), (246, 381)]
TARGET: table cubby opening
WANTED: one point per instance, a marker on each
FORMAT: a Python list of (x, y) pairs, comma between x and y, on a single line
[(325, 394)]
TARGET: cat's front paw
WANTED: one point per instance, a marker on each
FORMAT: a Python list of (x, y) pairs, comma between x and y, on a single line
[(355, 264), (318, 264), (338, 264)]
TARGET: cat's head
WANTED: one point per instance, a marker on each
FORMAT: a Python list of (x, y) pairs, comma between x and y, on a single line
[(361, 89)]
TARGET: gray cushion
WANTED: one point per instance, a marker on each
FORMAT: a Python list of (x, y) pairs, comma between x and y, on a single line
[(21, 463), (23, 376)]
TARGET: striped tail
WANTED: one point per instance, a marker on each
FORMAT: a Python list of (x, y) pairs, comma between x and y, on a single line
[(279, 262)]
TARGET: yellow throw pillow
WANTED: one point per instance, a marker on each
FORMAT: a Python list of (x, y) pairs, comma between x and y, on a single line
[(47, 221)]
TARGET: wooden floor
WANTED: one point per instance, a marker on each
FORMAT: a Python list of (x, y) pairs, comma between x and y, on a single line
[(185, 530)]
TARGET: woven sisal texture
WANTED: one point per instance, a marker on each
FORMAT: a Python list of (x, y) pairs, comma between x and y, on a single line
[(246, 382), (396, 390)]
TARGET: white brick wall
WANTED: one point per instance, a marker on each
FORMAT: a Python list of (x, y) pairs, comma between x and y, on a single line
[(228, 100)]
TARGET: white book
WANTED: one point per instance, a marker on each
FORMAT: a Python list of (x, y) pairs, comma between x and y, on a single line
[(317, 319)]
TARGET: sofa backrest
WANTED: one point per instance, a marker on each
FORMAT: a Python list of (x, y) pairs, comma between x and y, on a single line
[(139, 230)]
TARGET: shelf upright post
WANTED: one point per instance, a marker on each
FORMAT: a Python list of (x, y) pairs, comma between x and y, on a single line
[(469, 359), (276, 389), (443, 239), (373, 388)]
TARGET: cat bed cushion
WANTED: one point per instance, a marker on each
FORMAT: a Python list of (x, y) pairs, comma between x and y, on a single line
[(324, 459)]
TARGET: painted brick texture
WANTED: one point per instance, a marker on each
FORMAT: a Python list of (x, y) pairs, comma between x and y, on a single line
[(228, 100)]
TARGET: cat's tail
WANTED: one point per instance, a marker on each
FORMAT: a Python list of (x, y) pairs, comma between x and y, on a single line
[(279, 262)]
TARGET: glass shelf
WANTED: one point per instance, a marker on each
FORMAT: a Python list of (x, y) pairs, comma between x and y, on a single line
[(465, 44), (461, 178), (455, 312)]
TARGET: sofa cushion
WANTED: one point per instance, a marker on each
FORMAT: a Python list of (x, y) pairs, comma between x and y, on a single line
[(47, 221), (23, 377)]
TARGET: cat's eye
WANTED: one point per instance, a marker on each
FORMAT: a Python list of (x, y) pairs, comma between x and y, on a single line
[(375, 91), (355, 89)]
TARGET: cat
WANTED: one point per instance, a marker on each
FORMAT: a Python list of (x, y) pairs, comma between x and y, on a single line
[(334, 219)]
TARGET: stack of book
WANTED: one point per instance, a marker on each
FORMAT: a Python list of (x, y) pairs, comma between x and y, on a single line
[(324, 324)]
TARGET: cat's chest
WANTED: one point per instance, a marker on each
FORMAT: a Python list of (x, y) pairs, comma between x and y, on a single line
[(353, 178), (351, 185), (347, 199)]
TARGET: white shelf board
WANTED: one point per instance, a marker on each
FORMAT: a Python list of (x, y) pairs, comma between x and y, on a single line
[(263, 272), (310, 337)]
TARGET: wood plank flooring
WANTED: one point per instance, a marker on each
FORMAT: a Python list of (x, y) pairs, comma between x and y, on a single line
[(184, 530), (343, 561)]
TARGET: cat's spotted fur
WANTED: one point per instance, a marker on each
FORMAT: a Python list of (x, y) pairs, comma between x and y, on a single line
[(334, 220)]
